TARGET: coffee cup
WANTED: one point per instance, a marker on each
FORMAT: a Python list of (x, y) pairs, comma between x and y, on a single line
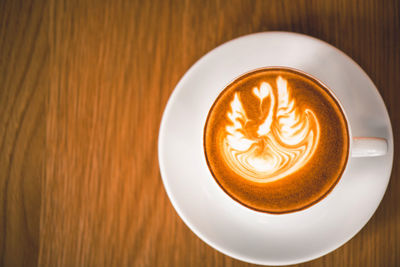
[(277, 140)]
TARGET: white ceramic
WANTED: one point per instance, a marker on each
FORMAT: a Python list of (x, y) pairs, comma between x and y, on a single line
[(253, 236)]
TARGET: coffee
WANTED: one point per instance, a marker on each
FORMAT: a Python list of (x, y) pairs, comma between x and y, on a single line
[(276, 140)]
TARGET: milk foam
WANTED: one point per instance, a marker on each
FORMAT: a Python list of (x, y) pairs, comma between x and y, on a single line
[(286, 137)]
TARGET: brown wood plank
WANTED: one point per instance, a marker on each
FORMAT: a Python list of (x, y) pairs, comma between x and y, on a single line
[(23, 88)]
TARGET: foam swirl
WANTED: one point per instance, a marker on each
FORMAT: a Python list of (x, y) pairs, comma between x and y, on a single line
[(285, 139)]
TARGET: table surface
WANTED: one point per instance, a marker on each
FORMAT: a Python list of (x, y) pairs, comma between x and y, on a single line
[(83, 85)]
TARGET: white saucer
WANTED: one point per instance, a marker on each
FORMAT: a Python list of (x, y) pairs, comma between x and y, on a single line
[(245, 234)]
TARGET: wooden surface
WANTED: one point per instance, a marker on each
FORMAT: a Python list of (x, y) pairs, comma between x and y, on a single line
[(83, 85)]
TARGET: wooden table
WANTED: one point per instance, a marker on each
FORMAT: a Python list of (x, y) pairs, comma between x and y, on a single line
[(83, 85)]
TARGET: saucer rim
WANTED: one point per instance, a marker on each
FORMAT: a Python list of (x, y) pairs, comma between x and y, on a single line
[(178, 88)]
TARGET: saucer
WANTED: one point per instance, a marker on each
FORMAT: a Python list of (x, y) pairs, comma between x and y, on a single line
[(257, 237)]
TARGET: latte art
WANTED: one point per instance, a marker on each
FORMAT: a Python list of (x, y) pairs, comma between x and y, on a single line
[(285, 139), (276, 140)]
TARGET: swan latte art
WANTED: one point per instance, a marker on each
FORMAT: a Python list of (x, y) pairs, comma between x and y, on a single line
[(276, 140)]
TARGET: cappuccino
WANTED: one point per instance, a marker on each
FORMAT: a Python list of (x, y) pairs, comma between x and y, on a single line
[(276, 140)]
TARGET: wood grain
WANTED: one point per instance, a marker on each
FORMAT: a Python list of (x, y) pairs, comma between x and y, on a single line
[(83, 88), (23, 85)]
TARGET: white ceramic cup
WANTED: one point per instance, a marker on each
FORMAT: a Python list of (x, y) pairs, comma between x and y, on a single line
[(359, 146)]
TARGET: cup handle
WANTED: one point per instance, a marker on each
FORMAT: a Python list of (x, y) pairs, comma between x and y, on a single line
[(369, 147)]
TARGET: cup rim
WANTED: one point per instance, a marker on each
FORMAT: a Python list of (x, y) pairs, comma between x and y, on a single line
[(330, 93)]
